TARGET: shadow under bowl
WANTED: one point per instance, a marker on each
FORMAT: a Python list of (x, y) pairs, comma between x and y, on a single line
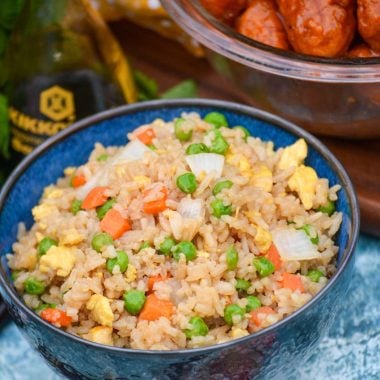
[(277, 349)]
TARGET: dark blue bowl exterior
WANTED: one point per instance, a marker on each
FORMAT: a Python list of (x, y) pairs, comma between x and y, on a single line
[(274, 351)]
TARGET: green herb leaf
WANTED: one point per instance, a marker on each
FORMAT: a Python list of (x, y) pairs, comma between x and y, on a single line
[(147, 87), (185, 89)]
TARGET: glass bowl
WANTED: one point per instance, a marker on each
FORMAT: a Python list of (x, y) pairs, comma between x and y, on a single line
[(335, 97)]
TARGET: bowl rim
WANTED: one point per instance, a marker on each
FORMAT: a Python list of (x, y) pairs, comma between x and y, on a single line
[(223, 39), (183, 103), (3, 310)]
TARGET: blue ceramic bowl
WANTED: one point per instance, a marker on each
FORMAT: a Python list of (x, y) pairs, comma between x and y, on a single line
[(270, 352)]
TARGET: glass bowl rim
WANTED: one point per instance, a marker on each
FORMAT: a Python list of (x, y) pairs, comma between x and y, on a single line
[(221, 38)]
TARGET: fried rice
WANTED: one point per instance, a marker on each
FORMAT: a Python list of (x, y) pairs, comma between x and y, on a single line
[(263, 238)]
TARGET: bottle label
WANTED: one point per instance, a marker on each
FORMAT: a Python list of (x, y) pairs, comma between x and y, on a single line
[(57, 105), (47, 104)]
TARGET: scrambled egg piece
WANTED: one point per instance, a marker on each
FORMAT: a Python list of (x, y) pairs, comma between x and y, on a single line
[(263, 239), (52, 193), (262, 177), (142, 180), (251, 215), (27, 261), (269, 150), (304, 182), (245, 167), (256, 219), (39, 236), (240, 162), (42, 211), (229, 157), (293, 155), (98, 274), (269, 201), (101, 309), (71, 237), (131, 273), (69, 171), (238, 333), (101, 334), (203, 254), (60, 259)]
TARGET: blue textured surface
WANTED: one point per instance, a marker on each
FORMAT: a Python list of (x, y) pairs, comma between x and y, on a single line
[(274, 351)]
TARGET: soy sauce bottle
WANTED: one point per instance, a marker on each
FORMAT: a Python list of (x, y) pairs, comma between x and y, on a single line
[(62, 64)]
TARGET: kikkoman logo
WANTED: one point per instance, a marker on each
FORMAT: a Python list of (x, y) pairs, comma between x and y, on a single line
[(57, 103)]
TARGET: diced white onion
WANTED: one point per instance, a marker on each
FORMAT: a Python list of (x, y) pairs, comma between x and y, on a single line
[(191, 208), (206, 163), (133, 151), (187, 220), (294, 244)]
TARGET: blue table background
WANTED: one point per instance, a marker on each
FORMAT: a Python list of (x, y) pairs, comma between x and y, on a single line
[(350, 350)]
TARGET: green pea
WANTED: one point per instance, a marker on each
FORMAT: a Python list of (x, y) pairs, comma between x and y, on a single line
[(198, 328), (45, 244), (187, 183), (134, 301), (328, 208), (219, 208), (76, 205), (315, 275), (232, 311), (219, 145), (44, 306), (217, 119), (101, 240), (179, 132), (144, 245), (245, 131), (253, 303), (122, 260), (33, 286), (232, 258), (309, 230), (166, 246), (196, 149), (102, 210), (103, 157), (264, 266), (243, 285), (226, 184), (152, 147), (187, 248)]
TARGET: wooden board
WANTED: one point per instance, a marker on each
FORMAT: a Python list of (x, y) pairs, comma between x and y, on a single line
[(169, 63)]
